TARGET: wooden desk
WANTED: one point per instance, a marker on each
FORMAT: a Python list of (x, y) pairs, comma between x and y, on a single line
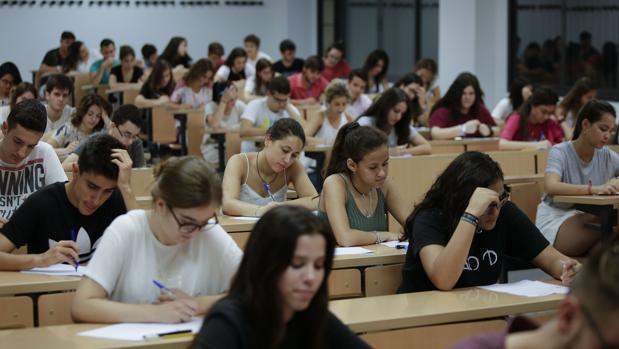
[(12, 283), (536, 178), (460, 145), (125, 92), (602, 206), (382, 255)]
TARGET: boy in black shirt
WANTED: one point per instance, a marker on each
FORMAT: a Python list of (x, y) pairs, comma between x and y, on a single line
[(289, 64), (81, 209)]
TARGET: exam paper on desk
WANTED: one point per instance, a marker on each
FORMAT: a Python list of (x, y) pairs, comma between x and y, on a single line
[(528, 288), (57, 270), (344, 251), (137, 331)]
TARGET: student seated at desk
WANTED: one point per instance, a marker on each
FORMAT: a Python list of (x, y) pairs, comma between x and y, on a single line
[(376, 66), (79, 59), (583, 166), (194, 89), (127, 72), (125, 127), (465, 226), (427, 69), (150, 56), (178, 243), (9, 77), (21, 92), (27, 164), (307, 86), (586, 317), (223, 112), (261, 113), (215, 53), (256, 182), (323, 126), (235, 68), (519, 92), (100, 70), (87, 120), (176, 54), (357, 195), (57, 91), (335, 64), (582, 92), (56, 58), (388, 114), (256, 86), (63, 222), (461, 112), (251, 43), (158, 88), (533, 127), (286, 304), (417, 102), (289, 64), (359, 101)]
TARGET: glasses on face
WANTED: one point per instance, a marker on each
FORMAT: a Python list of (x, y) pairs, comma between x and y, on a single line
[(280, 100), (596, 329), (188, 228), (503, 198), (7, 82), (127, 135)]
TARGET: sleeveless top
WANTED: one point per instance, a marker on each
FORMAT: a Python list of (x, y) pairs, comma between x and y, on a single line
[(357, 220), (329, 132), (249, 195)]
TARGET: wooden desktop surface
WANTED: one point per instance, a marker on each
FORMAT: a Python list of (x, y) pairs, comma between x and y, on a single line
[(523, 179), (18, 283), (382, 255), (600, 200)]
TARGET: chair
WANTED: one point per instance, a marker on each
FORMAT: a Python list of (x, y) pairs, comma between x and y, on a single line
[(17, 312)]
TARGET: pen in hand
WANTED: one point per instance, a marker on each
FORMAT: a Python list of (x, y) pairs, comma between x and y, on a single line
[(73, 238), (165, 290)]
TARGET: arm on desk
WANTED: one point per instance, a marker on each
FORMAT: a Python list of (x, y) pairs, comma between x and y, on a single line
[(506, 144), (307, 195), (554, 186), (143, 102), (418, 145), (557, 265), (64, 251), (445, 133), (334, 204), (234, 175)]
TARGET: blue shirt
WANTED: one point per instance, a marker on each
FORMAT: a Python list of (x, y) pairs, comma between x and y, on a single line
[(105, 78)]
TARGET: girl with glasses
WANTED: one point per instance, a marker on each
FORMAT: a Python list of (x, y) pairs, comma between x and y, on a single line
[(465, 226), (177, 245)]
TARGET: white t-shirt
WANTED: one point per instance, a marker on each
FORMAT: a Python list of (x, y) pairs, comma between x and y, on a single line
[(503, 109), (258, 112), (64, 118), (392, 138), (5, 110), (231, 121), (129, 257), (185, 95), (259, 56), (224, 71), (17, 181), (358, 107)]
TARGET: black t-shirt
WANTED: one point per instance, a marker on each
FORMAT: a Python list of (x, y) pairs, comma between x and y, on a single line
[(227, 326), (176, 61), (47, 217), (297, 66), (149, 93), (118, 72), (514, 235), (53, 59)]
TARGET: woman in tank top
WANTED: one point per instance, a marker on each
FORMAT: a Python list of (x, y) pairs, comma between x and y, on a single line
[(256, 182), (324, 125), (357, 195)]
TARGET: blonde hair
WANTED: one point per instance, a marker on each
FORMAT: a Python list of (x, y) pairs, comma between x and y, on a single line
[(336, 89), (186, 182)]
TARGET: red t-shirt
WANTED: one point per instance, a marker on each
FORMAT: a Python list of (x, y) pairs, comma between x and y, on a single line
[(340, 70), (548, 130), (298, 91), (442, 118)]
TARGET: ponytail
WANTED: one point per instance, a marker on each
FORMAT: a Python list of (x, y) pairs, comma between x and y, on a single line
[(592, 111), (353, 142)]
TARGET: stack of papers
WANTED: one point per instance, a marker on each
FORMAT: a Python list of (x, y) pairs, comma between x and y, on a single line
[(344, 251), (245, 218), (394, 244), (528, 288), (137, 331), (58, 270)]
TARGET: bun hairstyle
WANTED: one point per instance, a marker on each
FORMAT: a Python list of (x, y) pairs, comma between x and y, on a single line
[(354, 142), (186, 182)]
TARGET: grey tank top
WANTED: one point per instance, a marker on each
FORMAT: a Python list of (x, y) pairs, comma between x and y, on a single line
[(249, 195)]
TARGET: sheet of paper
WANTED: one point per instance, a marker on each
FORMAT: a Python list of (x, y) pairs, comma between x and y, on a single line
[(58, 270), (528, 288), (393, 244), (245, 218), (137, 331), (344, 251)]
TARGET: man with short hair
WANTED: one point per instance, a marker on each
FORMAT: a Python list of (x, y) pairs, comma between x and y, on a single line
[(335, 65), (359, 101), (261, 113), (252, 48), (100, 69), (289, 64), (26, 165), (56, 58), (587, 317), (149, 54), (57, 91), (125, 127), (308, 85), (215, 54), (63, 222)]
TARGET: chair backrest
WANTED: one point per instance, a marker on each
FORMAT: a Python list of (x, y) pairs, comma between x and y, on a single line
[(17, 312), (195, 132), (163, 125), (55, 309)]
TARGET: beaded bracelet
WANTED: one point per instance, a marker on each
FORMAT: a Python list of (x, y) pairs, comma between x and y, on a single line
[(470, 218)]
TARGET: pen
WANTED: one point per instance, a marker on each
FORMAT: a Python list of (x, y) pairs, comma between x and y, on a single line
[(267, 188), (77, 262), (400, 247), (173, 334), (164, 289)]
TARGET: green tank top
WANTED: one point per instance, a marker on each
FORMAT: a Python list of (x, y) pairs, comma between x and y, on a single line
[(357, 220)]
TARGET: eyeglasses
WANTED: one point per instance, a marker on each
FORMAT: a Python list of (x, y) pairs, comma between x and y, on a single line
[(188, 228), (127, 135), (279, 100), (7, 82), (596, 329), (503, 198)]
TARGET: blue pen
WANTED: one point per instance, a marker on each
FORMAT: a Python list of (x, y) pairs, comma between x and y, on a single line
[(267, 188), (77, 262), (164, 289)]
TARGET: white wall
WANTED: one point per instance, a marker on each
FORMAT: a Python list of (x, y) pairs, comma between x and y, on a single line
[(27, 33)]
